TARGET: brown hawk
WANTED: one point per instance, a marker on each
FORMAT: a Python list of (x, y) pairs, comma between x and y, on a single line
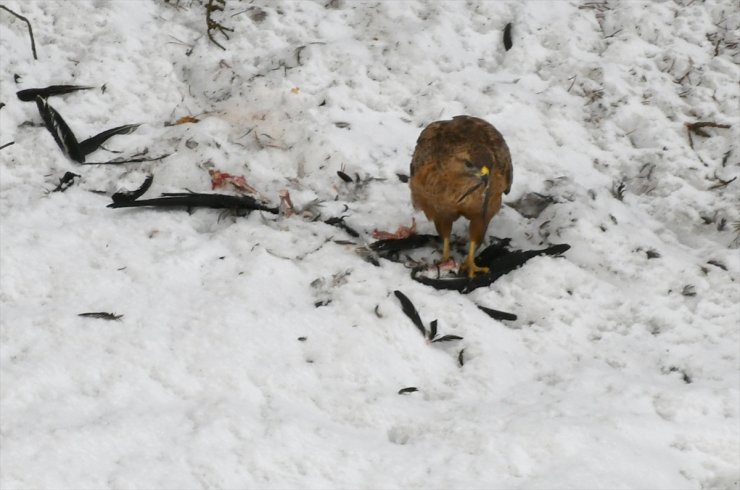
[(460, 167)]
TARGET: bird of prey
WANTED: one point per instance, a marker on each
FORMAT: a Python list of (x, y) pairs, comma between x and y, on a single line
[(460, 167)]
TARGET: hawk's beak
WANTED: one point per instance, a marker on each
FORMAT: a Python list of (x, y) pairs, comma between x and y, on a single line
[(484, 174)]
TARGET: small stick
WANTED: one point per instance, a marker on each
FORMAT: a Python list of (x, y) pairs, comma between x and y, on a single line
[(722, 183), (216, 6), (30, 29)]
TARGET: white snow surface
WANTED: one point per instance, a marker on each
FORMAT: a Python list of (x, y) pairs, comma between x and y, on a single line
[(621, 371)]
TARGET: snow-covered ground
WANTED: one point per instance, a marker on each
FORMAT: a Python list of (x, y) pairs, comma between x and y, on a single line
[(622, 370)]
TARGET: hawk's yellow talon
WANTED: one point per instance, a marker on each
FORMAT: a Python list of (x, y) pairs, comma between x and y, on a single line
[(469, 264)]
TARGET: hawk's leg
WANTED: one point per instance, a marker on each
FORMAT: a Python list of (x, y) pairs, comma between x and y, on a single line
[(469, 264)]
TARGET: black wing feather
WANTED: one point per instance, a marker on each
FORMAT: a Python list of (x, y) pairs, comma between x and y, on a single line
[(59, 129)]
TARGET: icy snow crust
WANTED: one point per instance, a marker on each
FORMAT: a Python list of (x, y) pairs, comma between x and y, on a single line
[(622, 371)]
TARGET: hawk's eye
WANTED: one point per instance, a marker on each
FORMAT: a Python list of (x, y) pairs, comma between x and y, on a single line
[(469, 164)]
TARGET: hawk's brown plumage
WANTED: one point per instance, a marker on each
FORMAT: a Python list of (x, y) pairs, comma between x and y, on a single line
[(460, 168)]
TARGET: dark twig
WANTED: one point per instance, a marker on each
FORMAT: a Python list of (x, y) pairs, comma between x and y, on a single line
[(722, 183), (696, 127), (216, 6), (572, 83), (7, 145), (30, 29)]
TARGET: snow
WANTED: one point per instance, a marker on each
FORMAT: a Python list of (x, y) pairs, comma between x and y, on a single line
[(622, 371)]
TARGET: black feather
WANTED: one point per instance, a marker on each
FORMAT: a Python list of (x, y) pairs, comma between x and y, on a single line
[(67, 180), (93, 143), (507, 37), (432, 329), (410, 389), (390, 246), (194, 200), (103, 315), (30, 94), (410, 310), (344, 176), (59, 129), (496, 314), (339, 223), (447, 338), (128, 196)]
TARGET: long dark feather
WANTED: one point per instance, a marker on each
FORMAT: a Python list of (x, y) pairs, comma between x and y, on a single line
[(128, 196), (410, 310), (93, 143), (122, 160), (59, 129), (30, 94), (496, 314), (194, 200), (391, 245)]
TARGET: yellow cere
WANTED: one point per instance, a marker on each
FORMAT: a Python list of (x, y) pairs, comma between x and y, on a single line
[(484, 171)]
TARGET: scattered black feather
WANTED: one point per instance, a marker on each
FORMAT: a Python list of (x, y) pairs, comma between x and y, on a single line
[(195, 200), (460, 358), (410, 310), (128, 196), (122, 160), (344, 176), (372, 259), (505, 262), (507, 37), (410, 389), (102, 315), (391, 246), (684, 375), (2, 104), (321, 303), (496, 249), (403, 177), (302, 339), (496, 314), (30, 94), (432, 330), (717, 263), (59, 129), (93, 143), (447, 338), (339, 223), (67, 180)]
